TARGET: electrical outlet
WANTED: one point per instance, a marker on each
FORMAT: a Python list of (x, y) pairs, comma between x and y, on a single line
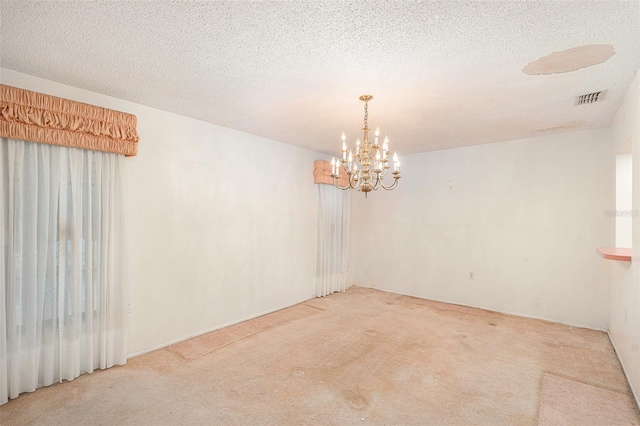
[(470, 275)]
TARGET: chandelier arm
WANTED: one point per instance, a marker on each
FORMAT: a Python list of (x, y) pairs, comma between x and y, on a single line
[(335, 183), (355, 183), (392, 186), (378, 182), (352, 182)]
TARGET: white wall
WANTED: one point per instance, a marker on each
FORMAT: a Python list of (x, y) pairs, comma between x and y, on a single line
[(624, 277), (524, 216), (216, 237), (624, 200), (220, 223)]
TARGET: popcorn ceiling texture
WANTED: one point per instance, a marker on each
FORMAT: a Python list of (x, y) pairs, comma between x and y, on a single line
[(443, 74)]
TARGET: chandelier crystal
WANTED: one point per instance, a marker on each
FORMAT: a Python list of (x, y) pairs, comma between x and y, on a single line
[(367, 164)]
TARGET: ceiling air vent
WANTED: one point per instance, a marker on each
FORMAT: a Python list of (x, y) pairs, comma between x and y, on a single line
[(589, 98)]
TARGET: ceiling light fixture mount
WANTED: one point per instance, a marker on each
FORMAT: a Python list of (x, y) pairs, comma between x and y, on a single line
[(368, 164)]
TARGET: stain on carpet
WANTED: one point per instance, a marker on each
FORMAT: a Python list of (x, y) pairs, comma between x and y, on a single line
[(357, 398)]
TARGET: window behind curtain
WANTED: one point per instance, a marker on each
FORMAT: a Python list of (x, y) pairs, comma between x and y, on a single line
[(63, 306)]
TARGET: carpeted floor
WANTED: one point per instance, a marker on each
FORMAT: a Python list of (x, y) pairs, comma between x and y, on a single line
[(569, 402), (360, 357)]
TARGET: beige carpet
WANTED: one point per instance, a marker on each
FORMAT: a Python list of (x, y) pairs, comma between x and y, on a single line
[(568, 402), (365, 357)]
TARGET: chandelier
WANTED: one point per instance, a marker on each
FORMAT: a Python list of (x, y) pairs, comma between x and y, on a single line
[(367, 165)]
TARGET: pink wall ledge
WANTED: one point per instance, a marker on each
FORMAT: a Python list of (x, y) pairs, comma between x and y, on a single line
[(612, 253)]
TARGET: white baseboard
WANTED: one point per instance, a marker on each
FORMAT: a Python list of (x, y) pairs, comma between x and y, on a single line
[(624, 369), (200, 333)]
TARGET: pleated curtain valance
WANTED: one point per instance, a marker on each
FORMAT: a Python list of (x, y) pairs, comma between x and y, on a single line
[(322, 173), (37, 117)]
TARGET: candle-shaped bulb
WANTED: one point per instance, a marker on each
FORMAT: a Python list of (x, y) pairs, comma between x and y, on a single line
[(395, 157), (344, 138), (350, 156), (358, 142), (344, 146), (378, 155), (333, 162), (337, 170), (377, 131)]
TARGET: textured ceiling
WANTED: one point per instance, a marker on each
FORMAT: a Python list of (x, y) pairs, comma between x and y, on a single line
[(443, 74)]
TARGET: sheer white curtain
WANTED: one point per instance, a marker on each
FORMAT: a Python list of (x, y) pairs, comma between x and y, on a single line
[(332, 240), (62, 302)]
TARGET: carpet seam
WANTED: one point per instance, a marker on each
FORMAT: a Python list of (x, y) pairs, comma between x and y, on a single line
[(202, 333), (240, 338), (562, 376)]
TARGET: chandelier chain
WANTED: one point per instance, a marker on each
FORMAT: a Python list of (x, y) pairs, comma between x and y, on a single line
[(366, 114)]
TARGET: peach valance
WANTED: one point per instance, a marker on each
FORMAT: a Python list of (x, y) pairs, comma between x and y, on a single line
[(322, 173), (37, 117)]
